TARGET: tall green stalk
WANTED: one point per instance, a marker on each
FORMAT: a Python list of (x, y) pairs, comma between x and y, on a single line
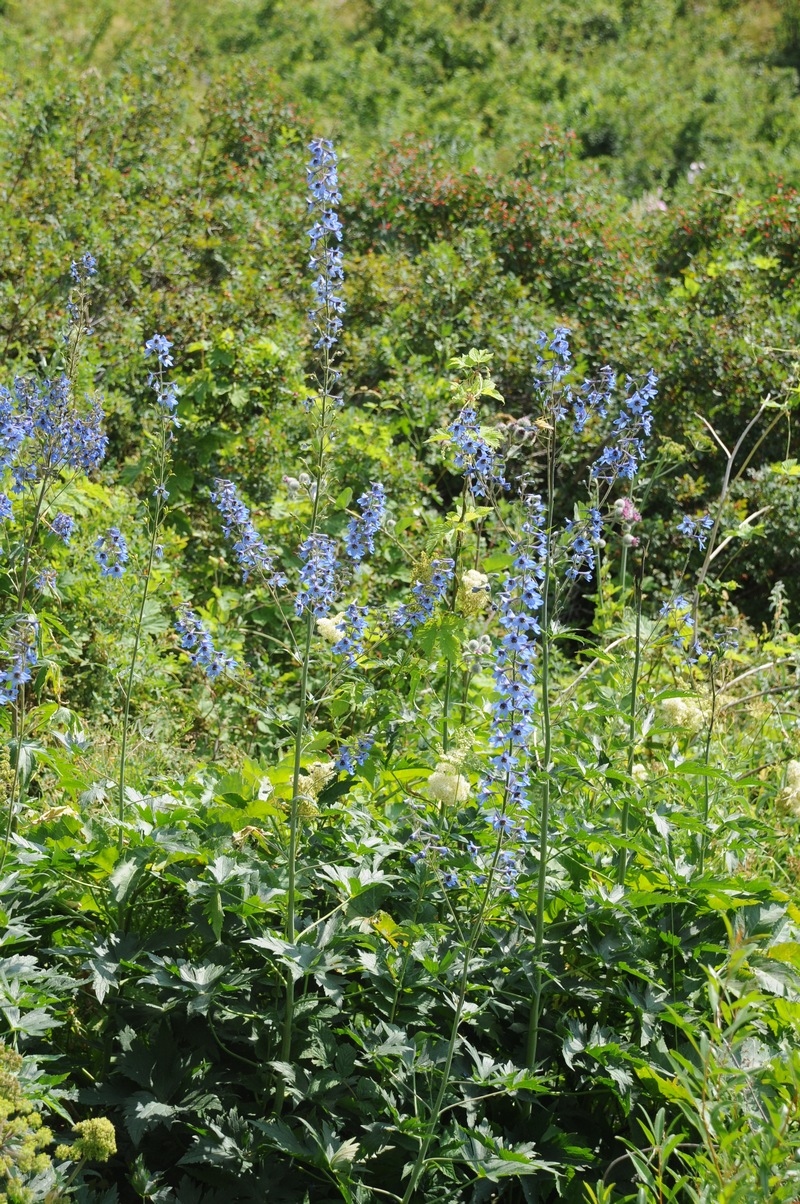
[(547, 751), (419, 1162), (706, 761), (622, 857), (160, 478), (294, 806)]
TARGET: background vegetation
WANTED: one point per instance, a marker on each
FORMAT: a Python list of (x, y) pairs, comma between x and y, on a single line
[(627, 170)]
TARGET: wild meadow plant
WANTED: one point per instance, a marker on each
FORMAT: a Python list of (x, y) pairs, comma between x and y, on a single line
[(473, 882)]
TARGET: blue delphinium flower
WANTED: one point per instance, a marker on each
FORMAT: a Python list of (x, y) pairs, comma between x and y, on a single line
[(506, 787), (317, 575), (45, 580), (353, 626), (42, 433), (251, 551), (480, 463), (326, 259), (427, 590), (196, 640), (63, 526), (584, 535), (159, 346), (166, 391), (696, 529), (623, 458), (592, 397), (354, 752), (555, 359), (19, 659), (6, 509), (361, 530), (81, 269), (111, 552)]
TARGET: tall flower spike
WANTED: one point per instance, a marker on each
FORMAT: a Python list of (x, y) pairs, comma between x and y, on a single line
[(480, 463), (506, 786), (317, 576), (252, 553), (111, 552), (361, 531), (196, 640), (326, 260), (19, 659)]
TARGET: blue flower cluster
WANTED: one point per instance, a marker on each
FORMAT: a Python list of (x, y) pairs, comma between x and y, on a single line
[(111, 552), (354, 752), (196, 640), (481, 464), (317, 575), (361, 530), (63, 526), (353, 627), (623, 458), (593, 397), (251, 551), (584, 535), (326, 258), (166, 391), (20, 658), (696, 529), (43, 434), (82, 269), (513, 709), (556, 362), (427, 590)]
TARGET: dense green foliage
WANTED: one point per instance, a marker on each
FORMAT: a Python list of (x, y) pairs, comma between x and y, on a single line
[(281, 980)]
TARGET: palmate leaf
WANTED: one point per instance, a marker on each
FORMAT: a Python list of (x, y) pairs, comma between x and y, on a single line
[(490, 1159), (144, 1112)]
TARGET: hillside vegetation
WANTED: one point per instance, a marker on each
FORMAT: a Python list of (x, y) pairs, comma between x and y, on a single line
[(399, 762)]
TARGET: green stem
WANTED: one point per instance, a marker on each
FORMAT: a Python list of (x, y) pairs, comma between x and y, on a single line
[(294, 809), (137, 635), (623, 572), (448, 680), (419, 1163), (15, 781), (547, 749), (622, 858), (707, 757)]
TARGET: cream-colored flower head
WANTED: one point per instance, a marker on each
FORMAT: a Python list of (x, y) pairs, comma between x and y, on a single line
[(473, 593), (316, 777), (331, 629), (684, 713), (639, 773), (447, 785), (789, 797)]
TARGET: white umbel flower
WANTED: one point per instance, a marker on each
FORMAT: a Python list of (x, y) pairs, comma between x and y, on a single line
[(473, 593), (331, 629), (447, 785), (684, 713)]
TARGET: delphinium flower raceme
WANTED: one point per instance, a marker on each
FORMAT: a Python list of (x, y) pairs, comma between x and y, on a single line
[(197, 641), (251, 551)]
